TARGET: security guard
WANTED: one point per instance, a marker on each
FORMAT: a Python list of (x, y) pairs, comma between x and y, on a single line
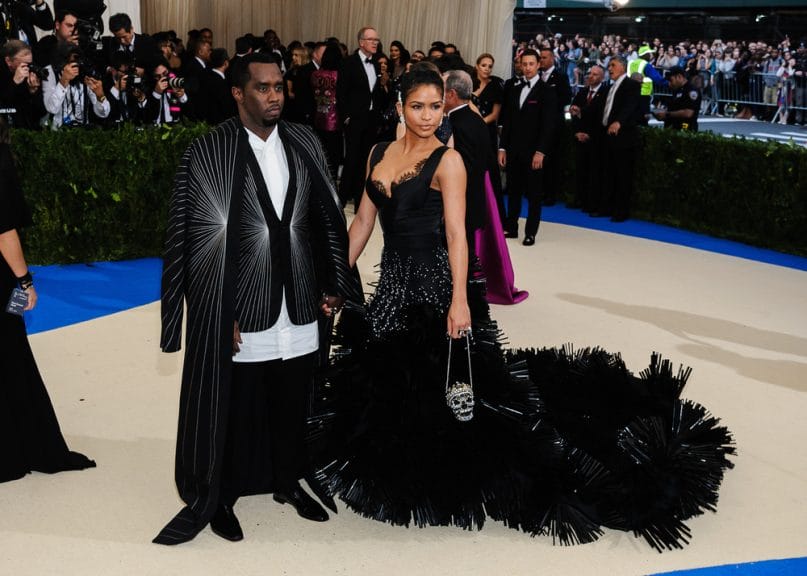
[(643, 71), (684, 104)]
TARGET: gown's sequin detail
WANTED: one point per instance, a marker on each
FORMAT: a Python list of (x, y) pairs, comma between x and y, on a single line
[(562, 443)]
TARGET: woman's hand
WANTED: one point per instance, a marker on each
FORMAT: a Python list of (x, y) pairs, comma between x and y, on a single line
[(459, 319), (31, 293)]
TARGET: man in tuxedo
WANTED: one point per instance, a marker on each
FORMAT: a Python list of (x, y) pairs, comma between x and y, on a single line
[(250, 247), (360, 101), (559, 81), (472, 141), (23, 17), (143, 50), (194, 70), (215, 94), (527, 136), (304, 93), (513, 83), (620, 118), (588, 134)]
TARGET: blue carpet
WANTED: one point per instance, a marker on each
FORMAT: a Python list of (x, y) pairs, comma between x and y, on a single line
[(77, 292), (789, 567)]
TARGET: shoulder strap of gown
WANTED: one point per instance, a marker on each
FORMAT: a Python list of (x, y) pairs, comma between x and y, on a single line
[(432, 163)]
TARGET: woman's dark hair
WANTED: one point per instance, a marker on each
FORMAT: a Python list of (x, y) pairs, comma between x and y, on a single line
[(404, 57), (332, 57), (420, 75)]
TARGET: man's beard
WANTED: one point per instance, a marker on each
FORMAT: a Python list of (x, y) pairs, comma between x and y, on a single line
[(267, 123)]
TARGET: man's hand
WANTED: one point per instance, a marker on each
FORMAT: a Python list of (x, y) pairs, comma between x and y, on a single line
[(68, 74), (96, 86), (574, 110), (330, 305), (582, 137), (21, 74), (613, 129), (537, 161), (161, 85), (236, 338), (502, 159)]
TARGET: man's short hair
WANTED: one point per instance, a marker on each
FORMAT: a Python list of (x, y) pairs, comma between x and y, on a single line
[(120, 21), (14, 47), (241, 74), (530, 52), (218, 57), (360, 35), (243, 44), (62, 14), (460, 82)]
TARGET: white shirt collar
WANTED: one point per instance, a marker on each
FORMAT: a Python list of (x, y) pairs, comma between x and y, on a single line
[(460, 107), (200, 61), (219, 72), (257, 142)]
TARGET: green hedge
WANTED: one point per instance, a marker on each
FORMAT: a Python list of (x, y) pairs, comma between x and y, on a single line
[(98, 194), (102, 194)]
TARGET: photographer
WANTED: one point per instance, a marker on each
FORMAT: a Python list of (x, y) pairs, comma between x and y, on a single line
[(140, 47), (73, 92), (20, 86), (20, 17), (168, 96), (65, 31), (126, 90)]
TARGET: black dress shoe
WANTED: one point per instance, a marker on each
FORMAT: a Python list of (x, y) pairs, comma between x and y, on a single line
[(182, 528), (511, 233), (529, 240), (305, 505), (225, 524)]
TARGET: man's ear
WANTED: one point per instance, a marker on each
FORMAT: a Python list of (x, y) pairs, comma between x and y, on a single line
[(238, 94)]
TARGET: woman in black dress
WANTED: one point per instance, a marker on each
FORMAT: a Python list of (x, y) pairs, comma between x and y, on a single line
[(30, 439), (551, 442)]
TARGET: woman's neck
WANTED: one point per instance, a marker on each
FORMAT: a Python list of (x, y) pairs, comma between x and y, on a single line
[(412, 143)]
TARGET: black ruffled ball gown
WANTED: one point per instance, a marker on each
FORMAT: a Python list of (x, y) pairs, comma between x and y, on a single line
[(561, 443), (30, 438)]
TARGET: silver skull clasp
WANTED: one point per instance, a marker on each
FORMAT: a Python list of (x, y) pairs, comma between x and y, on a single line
[(460, 398)]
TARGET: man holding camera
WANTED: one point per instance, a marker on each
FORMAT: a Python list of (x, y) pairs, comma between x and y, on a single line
[(20, 86), (125, 89), (140, 47), (168, 96), (65, 31), (73, 92)]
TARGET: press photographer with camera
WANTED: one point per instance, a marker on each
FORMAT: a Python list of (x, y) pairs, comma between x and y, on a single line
[(21, 86), (65, 31), (19, 17), (73, 92), (168, 96), (126, 90)]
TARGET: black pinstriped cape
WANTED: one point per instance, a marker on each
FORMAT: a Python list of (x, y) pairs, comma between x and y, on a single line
[(220, 214)]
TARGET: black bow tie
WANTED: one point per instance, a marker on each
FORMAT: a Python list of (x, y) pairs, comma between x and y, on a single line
[(368, 60)]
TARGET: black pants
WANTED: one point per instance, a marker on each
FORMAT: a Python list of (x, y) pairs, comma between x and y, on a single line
[(589, 174), (522, 181), (265, 448), (359, 138), (618, 182)]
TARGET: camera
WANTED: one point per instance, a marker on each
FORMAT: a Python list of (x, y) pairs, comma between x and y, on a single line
[(87, 67), (176, 83), (41, 72)]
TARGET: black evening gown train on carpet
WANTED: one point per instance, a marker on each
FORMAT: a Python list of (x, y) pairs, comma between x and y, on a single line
[(562, 443), (30, 438)]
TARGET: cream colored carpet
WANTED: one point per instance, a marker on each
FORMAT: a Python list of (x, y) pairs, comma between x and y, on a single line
[(741, 325)]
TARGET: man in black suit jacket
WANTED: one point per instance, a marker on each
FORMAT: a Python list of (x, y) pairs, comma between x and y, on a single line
[(64, 32), (558, 80), (360, 101), (19, 24), (620, 119), (527, 135), (217, 103), (472, 141), (588, 134), (141, 47)]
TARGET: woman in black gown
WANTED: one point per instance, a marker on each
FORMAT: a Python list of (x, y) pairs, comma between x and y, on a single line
[(30, 439), (560, 443)]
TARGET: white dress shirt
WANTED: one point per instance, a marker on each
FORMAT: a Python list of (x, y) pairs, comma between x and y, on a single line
[(369, 69), (67, 105), (525, 90), (284, 340)]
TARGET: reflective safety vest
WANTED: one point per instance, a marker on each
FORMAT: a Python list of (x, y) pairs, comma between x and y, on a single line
[(638, 65)]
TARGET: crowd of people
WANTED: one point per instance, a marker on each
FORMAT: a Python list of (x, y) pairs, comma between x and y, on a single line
[(753, 78)]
